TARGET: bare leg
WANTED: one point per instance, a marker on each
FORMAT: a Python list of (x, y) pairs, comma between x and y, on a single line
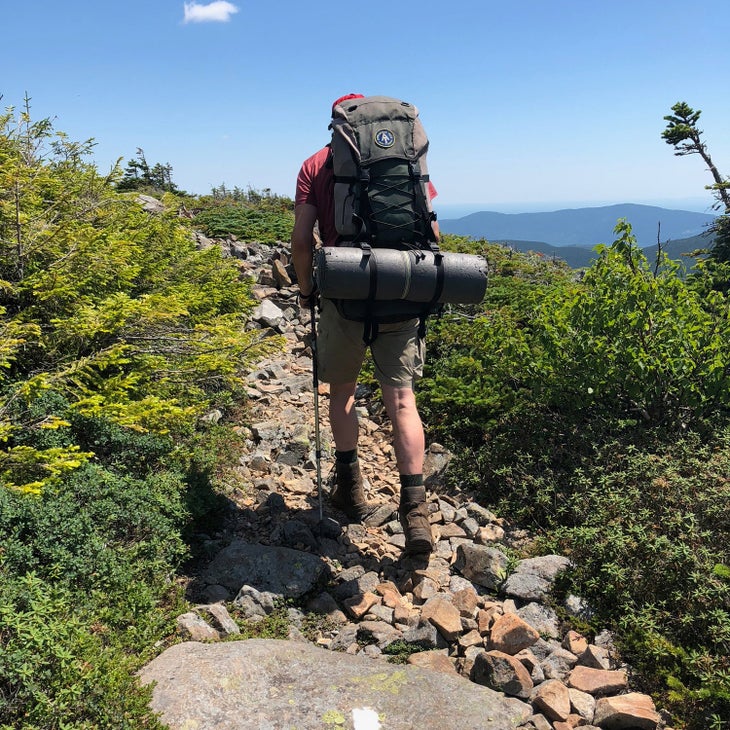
[(343, 418), (408, 439)]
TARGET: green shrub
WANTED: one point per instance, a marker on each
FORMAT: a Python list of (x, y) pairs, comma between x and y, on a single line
[(246, 222), (111, 309), (633, 341), (61, 666), (116, 335), (594, 411), (650, 542)]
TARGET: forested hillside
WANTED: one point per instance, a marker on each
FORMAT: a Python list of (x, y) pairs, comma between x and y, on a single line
[(593, 408)]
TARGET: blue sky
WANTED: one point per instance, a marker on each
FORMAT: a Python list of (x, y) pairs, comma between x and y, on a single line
[(530, 105)]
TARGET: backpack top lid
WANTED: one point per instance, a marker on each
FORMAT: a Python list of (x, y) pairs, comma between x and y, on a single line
[(379, 127), (344, 98)]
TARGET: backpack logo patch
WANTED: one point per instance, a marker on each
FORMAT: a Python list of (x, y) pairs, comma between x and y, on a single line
[(384, 138)]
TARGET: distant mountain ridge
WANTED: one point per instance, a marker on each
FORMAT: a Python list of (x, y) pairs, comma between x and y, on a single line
[(578, 257), (581, 227)]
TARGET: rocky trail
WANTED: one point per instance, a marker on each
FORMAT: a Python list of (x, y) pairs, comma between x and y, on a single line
[(486, 647)]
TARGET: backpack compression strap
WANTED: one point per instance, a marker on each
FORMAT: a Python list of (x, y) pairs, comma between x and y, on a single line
[(370, 328)]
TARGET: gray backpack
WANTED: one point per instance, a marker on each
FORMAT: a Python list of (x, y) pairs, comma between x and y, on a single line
[(381, 198), (379, 162)]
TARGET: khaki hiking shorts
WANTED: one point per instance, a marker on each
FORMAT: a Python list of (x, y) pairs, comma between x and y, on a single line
[(397, 351)]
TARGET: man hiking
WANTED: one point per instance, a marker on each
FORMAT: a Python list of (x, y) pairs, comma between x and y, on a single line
[(398, 353)]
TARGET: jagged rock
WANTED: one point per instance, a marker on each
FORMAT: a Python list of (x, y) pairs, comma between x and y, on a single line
[(482, 565), (213, 416), (360, 583), (582, 704), (633, 710), (267, 314), (575, 643), (280, 275), (380, 516), (254, 603), (444, 616), (217, 615), (380, 612), (192, 627), (435, 660), (596, 657), (290, 573), (435, 465), (551, 698), (539, 722), (546, 566), (326, 605), (488, 534), (510, 634), (527, 587), (390, 594), (466, 600), (558, 663), (425, 588), (503, 673), (280, 684), (598, 681), (359, 604), (296, 533), (543, 648), (345, 638), (150, 204), (534, 577), (481, 514), (269, 431), (471, 638), (541, 618), (382, 633), (577, 606)]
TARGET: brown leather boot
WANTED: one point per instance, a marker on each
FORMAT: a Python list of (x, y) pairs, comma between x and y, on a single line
[(413, 515), (348, 493)]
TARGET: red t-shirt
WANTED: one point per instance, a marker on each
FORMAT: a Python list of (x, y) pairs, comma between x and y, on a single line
[(316, 186)]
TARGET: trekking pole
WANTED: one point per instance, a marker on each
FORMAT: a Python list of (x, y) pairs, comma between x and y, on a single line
[(317, 439)]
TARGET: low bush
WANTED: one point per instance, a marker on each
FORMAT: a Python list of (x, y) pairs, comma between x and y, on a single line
[(85, 593), (594, 410), (246, 222)]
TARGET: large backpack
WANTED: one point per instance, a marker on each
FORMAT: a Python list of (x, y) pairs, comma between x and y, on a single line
[(381, 197)]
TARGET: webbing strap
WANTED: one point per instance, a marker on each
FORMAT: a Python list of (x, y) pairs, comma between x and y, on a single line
[(421, 202), (438, 290), (370, 332), (370, 329)]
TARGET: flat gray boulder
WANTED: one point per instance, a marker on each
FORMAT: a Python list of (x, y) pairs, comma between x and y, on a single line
[(265, 684), (289, 573)]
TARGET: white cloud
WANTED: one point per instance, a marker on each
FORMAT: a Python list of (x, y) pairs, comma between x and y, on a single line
[(215, 12)]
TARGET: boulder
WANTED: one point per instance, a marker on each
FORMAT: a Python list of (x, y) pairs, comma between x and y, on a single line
[(264, 684)]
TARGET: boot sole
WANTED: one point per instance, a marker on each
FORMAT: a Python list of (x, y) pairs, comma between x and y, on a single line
[(418, 547), (420, 543)]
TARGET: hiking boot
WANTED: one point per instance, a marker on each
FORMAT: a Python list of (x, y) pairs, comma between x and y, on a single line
[(417, 528), (348, 493)]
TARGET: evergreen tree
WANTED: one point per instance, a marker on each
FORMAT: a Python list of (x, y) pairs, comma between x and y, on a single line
[(683, 134), (138, 175)]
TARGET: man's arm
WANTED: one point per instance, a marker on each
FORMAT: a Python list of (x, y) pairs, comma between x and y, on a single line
[(302, 246)]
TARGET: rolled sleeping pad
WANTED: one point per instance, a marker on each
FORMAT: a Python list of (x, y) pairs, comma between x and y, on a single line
[(344, 272)]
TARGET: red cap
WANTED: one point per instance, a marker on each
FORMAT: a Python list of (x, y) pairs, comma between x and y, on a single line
[(346, 98)]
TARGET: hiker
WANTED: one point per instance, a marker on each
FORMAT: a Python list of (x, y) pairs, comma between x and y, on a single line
[(398, 352)]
